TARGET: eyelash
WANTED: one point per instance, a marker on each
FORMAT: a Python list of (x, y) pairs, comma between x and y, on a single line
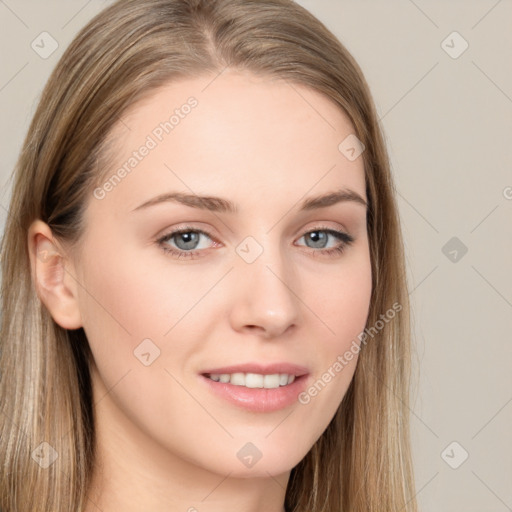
[(345, 238)]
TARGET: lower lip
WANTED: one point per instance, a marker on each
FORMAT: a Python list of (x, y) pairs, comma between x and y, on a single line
[(259, 399)]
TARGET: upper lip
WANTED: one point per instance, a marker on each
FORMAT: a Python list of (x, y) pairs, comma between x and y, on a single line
[(263, 369)]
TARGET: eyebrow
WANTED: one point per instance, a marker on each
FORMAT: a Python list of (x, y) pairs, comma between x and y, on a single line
[(218, 204)]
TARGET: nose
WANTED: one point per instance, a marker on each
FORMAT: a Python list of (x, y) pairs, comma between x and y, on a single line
[(265, 298)]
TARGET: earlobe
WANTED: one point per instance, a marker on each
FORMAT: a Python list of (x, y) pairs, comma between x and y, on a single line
[(53, 276)]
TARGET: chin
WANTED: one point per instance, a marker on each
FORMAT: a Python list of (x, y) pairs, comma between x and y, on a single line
[(260, 459)]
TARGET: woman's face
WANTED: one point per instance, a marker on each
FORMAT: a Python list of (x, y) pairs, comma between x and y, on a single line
[(260, 284)]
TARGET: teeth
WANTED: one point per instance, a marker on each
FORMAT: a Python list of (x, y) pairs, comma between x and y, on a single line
[(238, 379), (271, 381), (254, 380)]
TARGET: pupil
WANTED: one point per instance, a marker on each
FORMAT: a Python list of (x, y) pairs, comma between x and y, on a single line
[(317, 236), (187, 240)]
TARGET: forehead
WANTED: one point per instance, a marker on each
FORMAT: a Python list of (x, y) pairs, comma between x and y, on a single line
[(233, 134)]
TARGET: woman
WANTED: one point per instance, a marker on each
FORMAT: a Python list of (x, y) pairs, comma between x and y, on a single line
[(204, 297)]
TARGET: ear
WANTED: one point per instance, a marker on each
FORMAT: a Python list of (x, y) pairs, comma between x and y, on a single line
[(53, 276)]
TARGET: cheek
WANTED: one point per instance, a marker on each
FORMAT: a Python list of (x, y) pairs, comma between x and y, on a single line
[(131, 307), (345, 301), (343, 308), (127, 297), (120, 309)]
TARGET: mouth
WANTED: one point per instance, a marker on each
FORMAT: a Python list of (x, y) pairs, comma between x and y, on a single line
[(257, 388)]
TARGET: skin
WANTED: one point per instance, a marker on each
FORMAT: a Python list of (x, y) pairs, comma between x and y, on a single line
[(164, 441)]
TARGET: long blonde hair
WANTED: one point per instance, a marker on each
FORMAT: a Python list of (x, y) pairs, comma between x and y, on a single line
[(362, 462)]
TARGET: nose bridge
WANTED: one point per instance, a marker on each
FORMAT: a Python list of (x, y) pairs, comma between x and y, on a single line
[(267, 295)]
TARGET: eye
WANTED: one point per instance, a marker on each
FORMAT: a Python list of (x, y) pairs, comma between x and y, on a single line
[(186, 241), (320, 236)]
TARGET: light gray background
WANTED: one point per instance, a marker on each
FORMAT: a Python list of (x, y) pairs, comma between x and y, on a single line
[(448, 124)]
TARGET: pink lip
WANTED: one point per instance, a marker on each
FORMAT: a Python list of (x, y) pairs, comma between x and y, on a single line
[(270, 369), (259, 399)]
